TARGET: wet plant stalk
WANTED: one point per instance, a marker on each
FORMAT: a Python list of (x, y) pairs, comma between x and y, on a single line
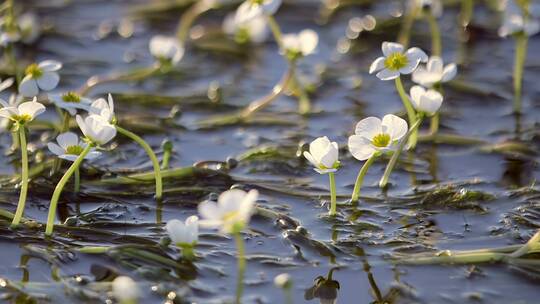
[(519, 63), (151, 154), (276, 31), (189, 17), (407, 24), (333, 200), (436, 41), (241, 266), (392, 163), (467, 7), (411, 114), (24, 177), (77, 180), (264, 101), (360, 177), (60, 186)]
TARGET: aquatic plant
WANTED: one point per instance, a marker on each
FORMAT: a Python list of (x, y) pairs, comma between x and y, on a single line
[(374, 137), (184, 235), (20, 116), (324, 156), (231, 214), (125, 290)]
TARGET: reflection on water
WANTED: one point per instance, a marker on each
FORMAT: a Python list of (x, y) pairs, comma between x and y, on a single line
[(324, 288)]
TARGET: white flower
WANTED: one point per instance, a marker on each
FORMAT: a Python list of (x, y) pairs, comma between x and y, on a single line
[(70, 102), (23, 113), (435, 72), (254, 8), (375, 136), (183, 233), (282, 280), (96, 128), (69, 147), (104, 108), (514, 20), (301, 44), (427, 101), (396, 62), (125, 289), (166, 49), (29, 27), (323, 154), (14, 101), (254, 30), (232, 211), (40, 76)]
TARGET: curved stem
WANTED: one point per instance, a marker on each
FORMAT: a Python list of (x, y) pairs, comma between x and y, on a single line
[(24, 178), (392, 163), (304, 104), (276, 30), (151, 154), (77, 181), (241, 266), (189, 17), (60, 186), (333, 195), (133, 75), (360, 177), (519, 62), (411, 114), (264, 101), (436, 42)]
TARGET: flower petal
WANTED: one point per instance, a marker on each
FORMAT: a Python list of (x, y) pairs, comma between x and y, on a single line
[(377, 65), (48, 81), (416, 54), (395, 126), (449, 72), (368, 127), (360, 147), (308, 41), (389, 48), (209, 211), (28, 87), (32, 108), (50, 65), (387, 74), (435, 64), (67, 139), (55, 149)]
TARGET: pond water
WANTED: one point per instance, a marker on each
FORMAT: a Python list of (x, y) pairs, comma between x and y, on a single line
[(426, 208)]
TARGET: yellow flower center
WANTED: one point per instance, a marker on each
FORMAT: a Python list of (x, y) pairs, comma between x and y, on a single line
[(23, 118), (396, 61), (71, 97), (34, 70), (258, 2), (381, 140), (74, 150)]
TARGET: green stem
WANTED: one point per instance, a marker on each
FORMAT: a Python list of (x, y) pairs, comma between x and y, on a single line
[(276, 30), (151, 154), (288, 295), (167, 150), (333, 195), (411, 114), (60, 186), (467, 7), (457, 258), (241, 266), (24, 177), (392, 163), (304, 104), (408, 21), (264, 101), (520, 57), (436, 42), (434, 124), (189, 17), (188, 251), (77, 182), (93, 249), (360, 177)]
